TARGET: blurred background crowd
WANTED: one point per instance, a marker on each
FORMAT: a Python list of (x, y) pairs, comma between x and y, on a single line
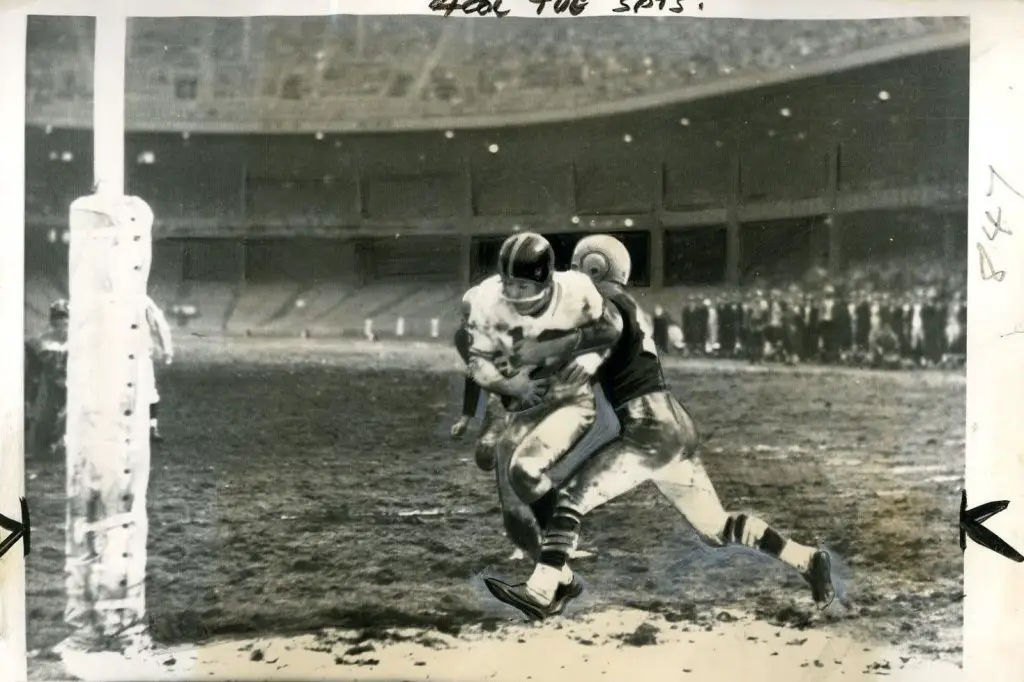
[(845, 325)]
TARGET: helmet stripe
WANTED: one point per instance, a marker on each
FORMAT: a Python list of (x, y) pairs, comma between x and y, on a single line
[(517, 243), (504, 263)]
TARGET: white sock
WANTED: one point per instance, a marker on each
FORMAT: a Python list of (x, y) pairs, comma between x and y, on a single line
[(543, 583), (796, 555), (566, 576)]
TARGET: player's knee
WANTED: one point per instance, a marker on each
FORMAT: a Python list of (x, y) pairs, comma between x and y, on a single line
[(685, 434), (527, 477)]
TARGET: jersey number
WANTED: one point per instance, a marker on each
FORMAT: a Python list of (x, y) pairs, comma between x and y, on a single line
[(646, 332)]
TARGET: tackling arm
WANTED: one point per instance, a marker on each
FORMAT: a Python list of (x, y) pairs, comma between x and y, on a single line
[(595, 340)]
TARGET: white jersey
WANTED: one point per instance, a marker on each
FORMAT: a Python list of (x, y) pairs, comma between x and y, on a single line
[(495, 325), (159, 331)]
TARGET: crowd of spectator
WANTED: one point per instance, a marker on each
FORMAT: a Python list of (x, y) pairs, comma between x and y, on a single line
[(863, 322), (443, 66)]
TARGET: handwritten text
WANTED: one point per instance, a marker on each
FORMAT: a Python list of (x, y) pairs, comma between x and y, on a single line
[(574, 7), (994, 225), (469, 7), (637, 6)]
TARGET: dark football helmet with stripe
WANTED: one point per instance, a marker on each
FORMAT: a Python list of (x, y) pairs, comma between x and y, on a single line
[(526, 265)]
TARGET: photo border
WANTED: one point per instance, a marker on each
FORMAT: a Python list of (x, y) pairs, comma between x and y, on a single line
[(994, 586)]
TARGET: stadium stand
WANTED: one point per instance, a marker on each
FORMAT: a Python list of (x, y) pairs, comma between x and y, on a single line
[(376, 67), (704, 143)]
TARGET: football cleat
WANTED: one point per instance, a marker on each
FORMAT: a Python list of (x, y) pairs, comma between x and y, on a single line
[(565, 594), (819, 577), (519, 597)]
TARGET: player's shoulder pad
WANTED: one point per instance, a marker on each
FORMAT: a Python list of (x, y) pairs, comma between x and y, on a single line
[(580, 288), (482, 296)]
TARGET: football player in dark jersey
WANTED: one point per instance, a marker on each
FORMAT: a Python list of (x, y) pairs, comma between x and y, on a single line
[(658, 444)]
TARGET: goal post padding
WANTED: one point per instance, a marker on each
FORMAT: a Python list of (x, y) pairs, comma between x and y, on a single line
[(108, 451)]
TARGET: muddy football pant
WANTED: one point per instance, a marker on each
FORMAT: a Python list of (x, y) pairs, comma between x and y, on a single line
[(658, 444), (539, 437), (520, 520)]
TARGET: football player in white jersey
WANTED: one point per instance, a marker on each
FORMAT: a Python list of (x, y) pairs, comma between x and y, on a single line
[(549, 397), (658, 444)]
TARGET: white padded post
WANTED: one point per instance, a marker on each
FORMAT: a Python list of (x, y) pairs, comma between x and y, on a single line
[(107, 420)]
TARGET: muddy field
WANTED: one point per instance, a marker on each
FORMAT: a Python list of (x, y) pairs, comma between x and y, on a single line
[(312, 485)]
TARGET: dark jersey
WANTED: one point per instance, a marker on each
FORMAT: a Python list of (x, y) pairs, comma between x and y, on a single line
[(633, 369), (472, 394)]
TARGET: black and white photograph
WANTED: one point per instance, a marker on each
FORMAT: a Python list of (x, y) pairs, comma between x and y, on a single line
[(425, 347)]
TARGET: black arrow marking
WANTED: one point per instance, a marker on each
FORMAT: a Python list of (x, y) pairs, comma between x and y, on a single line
[(970, 526), (19, 531)]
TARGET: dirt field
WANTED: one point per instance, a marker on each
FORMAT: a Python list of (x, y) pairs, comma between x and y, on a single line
[(310, 485)]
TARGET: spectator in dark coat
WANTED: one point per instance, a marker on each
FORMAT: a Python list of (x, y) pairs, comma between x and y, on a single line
[(661, 323), (728, 320), (863, 323)]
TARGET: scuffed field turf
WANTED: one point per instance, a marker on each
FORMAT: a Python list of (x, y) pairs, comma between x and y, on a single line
[(307, 485)]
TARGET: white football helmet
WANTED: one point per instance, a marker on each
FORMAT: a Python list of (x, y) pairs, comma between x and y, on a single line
[(603, 258)]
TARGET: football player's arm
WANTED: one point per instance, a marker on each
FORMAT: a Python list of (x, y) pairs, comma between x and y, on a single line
[(487, 376), (471, 390), (479, 356), (597, 334), (596, 339)]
